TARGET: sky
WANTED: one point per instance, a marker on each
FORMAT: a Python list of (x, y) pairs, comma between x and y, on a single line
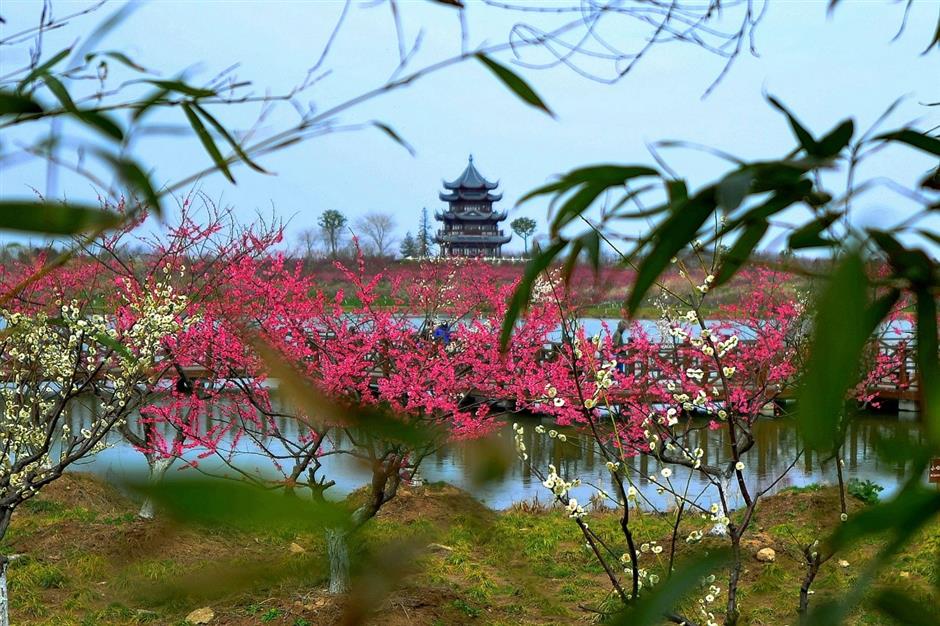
[(825, 68)]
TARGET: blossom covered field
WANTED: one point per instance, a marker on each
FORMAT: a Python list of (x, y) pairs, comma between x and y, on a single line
[(383, 366)]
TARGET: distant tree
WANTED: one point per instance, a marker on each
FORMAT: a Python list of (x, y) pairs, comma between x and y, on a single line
[(307, 242), (332, 222), (409, 247), (524, 227), (425, 239), (377, 230)]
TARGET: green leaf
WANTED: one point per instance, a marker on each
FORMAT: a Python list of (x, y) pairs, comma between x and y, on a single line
[(741, 251), (43, 69), (231, 503), (120, 57), (36, 216), (914, 506), (809, 235), (110, 342), (102, 123), (663, 600), (927, 367), (60, 92), (181, 87), (322, 410), (94, 119), (913, 138), (523, 291), (207, 142), (669, 238), (902, 607), (514, 82), (131, 174), (12, 103), (733, 188), (388, 130), (802, 135), (228, 137), (604, 175), (677, 190), (574, 206), (913, 265), (844, 322), (833, 143)]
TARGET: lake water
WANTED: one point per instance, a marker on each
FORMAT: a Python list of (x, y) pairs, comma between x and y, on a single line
[(777, 441)]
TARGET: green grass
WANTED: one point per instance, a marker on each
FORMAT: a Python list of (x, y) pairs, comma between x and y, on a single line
[(515, 567)]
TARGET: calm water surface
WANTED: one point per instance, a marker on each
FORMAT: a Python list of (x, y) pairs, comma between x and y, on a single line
[(777, 442)]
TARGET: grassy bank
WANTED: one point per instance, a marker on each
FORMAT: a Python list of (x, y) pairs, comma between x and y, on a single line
[(83, 558)]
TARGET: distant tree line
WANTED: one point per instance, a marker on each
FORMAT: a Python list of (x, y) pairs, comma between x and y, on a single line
[(374, 234)]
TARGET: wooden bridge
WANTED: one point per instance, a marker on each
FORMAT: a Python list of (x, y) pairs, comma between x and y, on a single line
[(898, 390)]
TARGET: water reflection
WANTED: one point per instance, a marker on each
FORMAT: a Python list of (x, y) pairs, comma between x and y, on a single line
[(777, 443)]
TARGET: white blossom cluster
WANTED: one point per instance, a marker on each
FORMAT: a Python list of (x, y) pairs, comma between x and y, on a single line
[(48, 361), (704, 603)]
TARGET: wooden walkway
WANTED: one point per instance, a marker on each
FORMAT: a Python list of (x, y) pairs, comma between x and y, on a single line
[(900, 387)]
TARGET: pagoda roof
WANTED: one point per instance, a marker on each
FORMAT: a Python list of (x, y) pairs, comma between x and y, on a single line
[(471, 216), (470, 179), (464, 194)]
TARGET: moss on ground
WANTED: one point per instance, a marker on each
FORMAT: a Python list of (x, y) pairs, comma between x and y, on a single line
[(83, 558)]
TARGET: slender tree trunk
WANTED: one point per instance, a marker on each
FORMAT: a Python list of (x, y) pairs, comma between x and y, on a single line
[(812, 568), (158, 468), (337, 548), (4, 597), (5, 516), (731, 614)]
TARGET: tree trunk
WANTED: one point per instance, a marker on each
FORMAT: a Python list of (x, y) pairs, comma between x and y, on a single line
[(6, 515), (731, 613), (158, 468), (4, 597), (337, 547)]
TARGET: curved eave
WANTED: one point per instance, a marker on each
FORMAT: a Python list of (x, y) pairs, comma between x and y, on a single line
[(472, 239), (469, 196), (498, 216), (460, 183)]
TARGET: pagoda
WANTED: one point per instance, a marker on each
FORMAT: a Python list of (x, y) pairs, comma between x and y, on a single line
[(470, 226)]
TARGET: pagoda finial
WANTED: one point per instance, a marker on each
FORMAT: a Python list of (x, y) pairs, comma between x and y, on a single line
[(471, 157)]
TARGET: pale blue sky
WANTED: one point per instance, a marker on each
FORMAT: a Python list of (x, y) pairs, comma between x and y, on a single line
[(823, 68)]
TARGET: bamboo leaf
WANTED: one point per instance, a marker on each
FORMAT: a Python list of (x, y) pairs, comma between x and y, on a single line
[(671, 236), (228, 137), (43, 69), (810, 235), (662, 600), (733, 188), (741, 251), (843, 324), (913, 138), (324, 411), (388, 130), (802, 135), (94, 119), (34, 216), (131, 174), (519, 300), (833, 143), (181, 87), (514, 83), (207, 142), (12, 103)]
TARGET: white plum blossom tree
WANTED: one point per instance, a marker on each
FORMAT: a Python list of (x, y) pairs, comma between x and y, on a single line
[(52, 362)]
